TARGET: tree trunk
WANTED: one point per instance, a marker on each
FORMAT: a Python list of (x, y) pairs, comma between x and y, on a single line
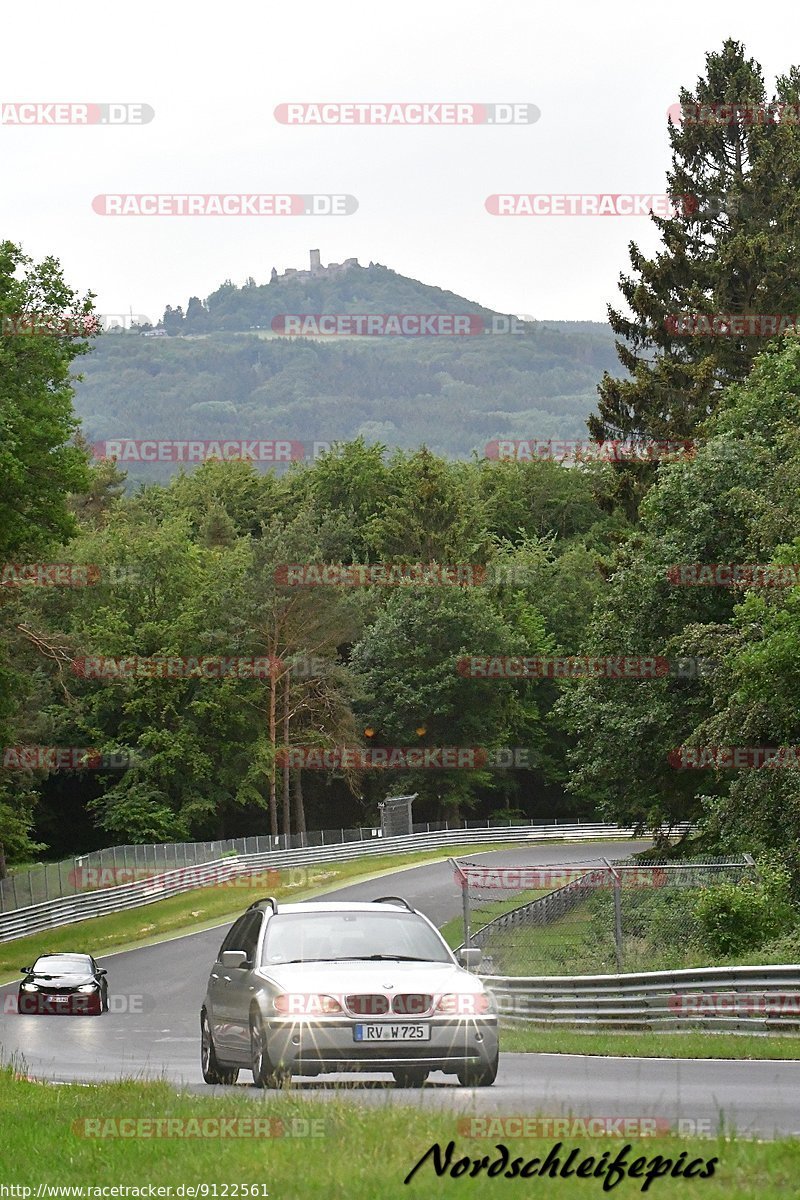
[(273, 804), (287, 801), (299, 807)]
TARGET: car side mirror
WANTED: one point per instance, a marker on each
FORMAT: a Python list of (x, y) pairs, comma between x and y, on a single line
[(26, 970), (233, 958), (102, 971), (469, 956)]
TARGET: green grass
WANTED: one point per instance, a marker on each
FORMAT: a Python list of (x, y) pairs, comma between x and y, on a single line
[(486, 911), (659, 933), (201, 908), (364, 1153), (694, 1044)]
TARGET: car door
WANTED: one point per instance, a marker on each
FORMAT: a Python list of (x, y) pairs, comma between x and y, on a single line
[(218, 1006), (240, 989)]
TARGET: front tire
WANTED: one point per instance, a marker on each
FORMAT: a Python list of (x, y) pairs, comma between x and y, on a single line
[(479, 1074), (410, 1077), (213, 1071), (265, 1075)]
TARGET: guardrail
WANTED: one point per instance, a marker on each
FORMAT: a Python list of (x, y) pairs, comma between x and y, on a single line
[(68, 910), (711, 998)]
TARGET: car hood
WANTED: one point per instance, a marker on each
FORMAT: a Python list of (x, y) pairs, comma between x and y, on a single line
[(341, 978)]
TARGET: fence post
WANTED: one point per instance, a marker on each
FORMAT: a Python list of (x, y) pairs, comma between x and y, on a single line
[(464, 898), (617, 915)]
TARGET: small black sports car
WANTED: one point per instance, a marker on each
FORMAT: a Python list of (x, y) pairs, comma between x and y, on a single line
[(63, 983)]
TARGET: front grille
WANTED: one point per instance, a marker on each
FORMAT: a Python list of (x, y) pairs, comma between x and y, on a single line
[(367, 1006), (412, 1004)]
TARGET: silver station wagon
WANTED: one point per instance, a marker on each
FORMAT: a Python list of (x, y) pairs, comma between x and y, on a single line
[(314, 987)]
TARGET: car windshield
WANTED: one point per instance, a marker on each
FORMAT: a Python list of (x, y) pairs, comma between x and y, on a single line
[(321, 937), (62, 965)]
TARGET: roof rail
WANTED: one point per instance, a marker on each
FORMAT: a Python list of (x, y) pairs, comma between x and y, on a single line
[(393, 900), (264, 900)]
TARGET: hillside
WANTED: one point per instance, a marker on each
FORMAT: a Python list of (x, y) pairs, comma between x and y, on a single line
[(222, 373)]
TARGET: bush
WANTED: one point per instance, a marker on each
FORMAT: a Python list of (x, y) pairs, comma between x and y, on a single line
[(735, 917)]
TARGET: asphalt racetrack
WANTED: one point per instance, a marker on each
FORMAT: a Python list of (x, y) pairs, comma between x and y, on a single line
[(152, 1031)]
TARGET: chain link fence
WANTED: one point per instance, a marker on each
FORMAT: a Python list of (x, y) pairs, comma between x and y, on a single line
[(116, 865), (590, 916)]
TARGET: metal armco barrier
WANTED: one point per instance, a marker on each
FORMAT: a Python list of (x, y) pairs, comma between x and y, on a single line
[(68, 910), (710, 998)]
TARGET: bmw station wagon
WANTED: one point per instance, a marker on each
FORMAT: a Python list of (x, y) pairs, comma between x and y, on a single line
[(324, 986)]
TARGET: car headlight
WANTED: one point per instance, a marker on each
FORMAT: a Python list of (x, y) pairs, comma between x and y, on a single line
[(88, 987), (304, 1004), (29, 987), (464, 1004)]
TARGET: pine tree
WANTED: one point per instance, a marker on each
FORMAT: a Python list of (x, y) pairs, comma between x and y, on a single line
[(730, 248)]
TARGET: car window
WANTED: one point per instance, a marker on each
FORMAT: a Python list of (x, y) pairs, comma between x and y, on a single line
[(293, 937), (243, 935), (233, 940), (250, 934)]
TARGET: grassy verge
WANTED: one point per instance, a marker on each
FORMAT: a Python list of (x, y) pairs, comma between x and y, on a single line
[(358, 1153), (453, 931), (695, 1044), (204, 907)]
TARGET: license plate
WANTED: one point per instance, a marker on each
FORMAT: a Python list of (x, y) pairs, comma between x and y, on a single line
[(392, 1033), (57, 999)]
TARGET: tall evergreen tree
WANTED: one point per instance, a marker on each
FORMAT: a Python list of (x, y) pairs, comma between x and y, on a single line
[(730, 248)]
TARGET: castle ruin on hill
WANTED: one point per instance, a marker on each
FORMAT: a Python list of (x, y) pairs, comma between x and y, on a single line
[(317, 271)]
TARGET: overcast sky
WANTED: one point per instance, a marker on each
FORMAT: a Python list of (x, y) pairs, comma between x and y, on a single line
[(603, 76)]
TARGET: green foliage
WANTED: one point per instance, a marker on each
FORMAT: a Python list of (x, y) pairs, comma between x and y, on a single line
[(454, 394), (730, 250), (733, 918)]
